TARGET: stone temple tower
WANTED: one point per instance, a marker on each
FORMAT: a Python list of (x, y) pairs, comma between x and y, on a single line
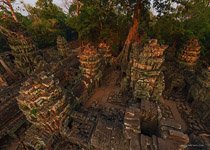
[(147, 79), (27, 57), (190, 54), (181, 74), (44, 103), (90, 61), (62, 47), (105, 51)]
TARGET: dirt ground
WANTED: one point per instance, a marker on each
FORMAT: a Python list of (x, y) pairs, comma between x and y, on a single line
[(109, 86)]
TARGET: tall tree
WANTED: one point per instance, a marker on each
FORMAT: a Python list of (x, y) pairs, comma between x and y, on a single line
[(98, 20), (133, 34), (47, 22), (44, 3), (183, 20), (141, 8), (6, 7)]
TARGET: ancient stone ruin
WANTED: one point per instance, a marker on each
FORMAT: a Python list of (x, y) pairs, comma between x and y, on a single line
[(190, 54), (27, 58), (147, 80), (62, 46), (67, 110), (181, 74), (105, 51), (44, 103), (90, 61)]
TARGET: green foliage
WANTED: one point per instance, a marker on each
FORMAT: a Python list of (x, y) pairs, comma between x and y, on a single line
[(47, 22), (110, 21), (44, 3), (8, 22), (44, 23), (98, 20), (104, 20), (188, 20), (33, 112)]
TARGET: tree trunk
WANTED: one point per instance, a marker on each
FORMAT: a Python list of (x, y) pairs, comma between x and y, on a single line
[(9, 5), (8, 70), (12, 10), (123, 58)]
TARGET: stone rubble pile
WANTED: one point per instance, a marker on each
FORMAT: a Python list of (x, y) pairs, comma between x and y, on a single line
[(166, 112), (117, 98), (108, 133)]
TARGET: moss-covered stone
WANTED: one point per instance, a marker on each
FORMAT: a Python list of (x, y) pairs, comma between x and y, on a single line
[(147, 80)]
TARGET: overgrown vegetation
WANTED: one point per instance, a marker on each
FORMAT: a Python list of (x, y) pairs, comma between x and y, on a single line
[(172, 22)]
